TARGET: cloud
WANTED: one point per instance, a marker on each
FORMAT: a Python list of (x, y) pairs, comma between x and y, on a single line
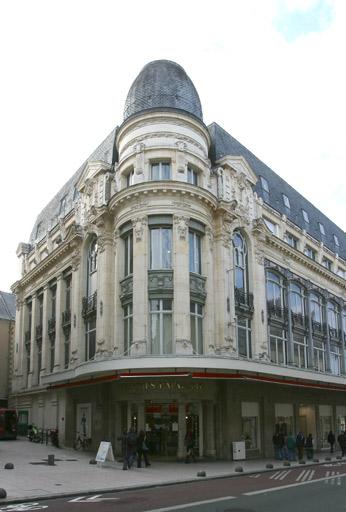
[(300, 19)]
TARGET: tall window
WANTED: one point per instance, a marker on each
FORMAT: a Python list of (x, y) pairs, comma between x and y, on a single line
[(275, 296), (40, 308), (29, 306), (67, 345), (299, 350), (68, 292), (244, 337), (265, 188), (92, 268), (128, 327), (297, 299), (128, 245), (90, 338), (161, 326), (319, 355), (130, 178), (278, 345), (195, 252), (333, 318), (160, 171), (192, 176), (53, 300), (335, 359), (160, 248), (196, 322), (316, 308), (240, 262), (52, 353)]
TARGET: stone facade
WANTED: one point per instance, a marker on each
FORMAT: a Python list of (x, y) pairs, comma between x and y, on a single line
[(171, 295)]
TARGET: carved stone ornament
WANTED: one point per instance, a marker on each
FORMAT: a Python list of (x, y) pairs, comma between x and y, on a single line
[(210, 235), (116, 238), (104, 240), (139, 225), (182, 225)]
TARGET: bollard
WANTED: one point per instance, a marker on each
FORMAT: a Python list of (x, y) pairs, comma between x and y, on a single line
[(3, 494), (302, 461), (269, 466), (338, 457), (286, 463), (92, 461), (238, 469), (51, 460), (201, 473), (9, 465)]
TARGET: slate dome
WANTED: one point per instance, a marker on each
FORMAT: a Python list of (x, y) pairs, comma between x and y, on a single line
[(162, 84)]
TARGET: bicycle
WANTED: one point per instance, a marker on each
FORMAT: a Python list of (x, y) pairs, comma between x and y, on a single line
[(81, 442)]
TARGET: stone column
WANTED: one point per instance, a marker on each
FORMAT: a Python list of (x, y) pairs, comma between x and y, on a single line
[(181, 431), (118, 263), (200, 430), (325, 314), (290, 346), (45, 337), (59, 335), (140, 286), (19, 348), (105, 294), (77, 323), (181, 279), (209, 311), (341, 339), (210, 450), (310, 335), (33, 350)]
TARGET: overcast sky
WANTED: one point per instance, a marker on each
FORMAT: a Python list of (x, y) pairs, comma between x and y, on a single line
[(270, 72)]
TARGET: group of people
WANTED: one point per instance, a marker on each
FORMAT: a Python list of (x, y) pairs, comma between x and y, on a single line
[(341, 441), (289, 447), (134, 448)]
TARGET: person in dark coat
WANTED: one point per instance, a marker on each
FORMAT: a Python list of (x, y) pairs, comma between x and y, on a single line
[(342, 443), (131, 447), (300, 443), (190, 447), (309, 446), (142, 450), (331, 441)]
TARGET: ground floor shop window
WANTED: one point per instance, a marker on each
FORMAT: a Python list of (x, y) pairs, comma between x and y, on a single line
[(278, 345), (250, 425), (325, 424), (284, 419)]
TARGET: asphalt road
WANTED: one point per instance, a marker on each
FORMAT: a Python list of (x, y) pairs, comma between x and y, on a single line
[(300, 489)]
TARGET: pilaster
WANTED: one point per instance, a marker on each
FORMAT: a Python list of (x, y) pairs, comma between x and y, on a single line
[(77, 338), (105, 294), (181, 294), (209, 311), (33, 350), (59, 337), (45, 337), (140, 286)]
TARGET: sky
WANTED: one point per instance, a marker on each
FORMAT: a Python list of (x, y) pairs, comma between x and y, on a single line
[(270, 72)]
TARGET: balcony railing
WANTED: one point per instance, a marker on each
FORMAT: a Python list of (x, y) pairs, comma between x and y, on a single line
[(298, 320), (89, 305), (27, 336), (51, 325), (276, 312), (243, 300), (66, 318)]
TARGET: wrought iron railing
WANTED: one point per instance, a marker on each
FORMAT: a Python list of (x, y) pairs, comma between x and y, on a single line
[(89, 305), (243, 299), (66, 317), (38, 331)]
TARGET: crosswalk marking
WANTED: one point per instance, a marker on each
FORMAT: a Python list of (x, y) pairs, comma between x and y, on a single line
[(280, 475)]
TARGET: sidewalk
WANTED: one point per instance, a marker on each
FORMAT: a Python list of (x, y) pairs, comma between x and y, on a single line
[(72, 474)]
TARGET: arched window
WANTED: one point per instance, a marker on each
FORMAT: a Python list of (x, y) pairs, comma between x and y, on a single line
[(333, 318), (297, 299), (316, 308), (275, 290), (240, 262), (92, 268)]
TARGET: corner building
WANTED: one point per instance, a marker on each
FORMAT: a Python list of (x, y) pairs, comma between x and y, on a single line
[(177, 282)]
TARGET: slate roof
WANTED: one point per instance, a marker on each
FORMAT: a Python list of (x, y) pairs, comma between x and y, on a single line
[(49, 216), (162, 84), (224, 144), (7, 306)]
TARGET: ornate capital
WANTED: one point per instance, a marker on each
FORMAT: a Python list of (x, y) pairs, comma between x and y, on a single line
[(139, 224), (182, 226)]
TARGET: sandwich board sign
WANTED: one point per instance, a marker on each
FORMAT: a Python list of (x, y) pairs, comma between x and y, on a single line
[(105, 452)]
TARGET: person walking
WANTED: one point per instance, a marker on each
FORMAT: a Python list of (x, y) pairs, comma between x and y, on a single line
[(309, 447), (342, 443), (277, 446), (300, 443), (190, 446), (331, 441), (131, 447), (142, 450), (291, 447)]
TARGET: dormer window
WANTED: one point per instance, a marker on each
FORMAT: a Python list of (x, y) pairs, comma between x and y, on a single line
[(322, 231), (265, 188), (336, 240), (160, 171), (286, 201), (62, 205), (305, 216), (271, 226), (192, 176)]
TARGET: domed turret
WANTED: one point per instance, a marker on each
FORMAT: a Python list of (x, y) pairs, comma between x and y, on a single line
[(162, 84)]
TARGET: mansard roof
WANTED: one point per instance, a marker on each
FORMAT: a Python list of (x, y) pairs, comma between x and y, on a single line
[(49, 216), (7, 306), (224, 144)]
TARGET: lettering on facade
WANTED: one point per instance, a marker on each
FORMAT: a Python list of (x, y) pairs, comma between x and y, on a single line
[(166, 386)]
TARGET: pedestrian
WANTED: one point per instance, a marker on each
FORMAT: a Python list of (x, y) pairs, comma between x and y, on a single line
[(291, 447), (131, 447), (190, 445), (309, 446), (142, 450), (342, 443), (277, 445), (300, 443), (331, 441)]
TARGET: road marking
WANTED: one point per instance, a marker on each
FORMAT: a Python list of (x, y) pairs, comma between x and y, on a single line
[(91, 499), (22, 507), (274, 475), (296, 484), (300, 476), (193, 504), (255, 476), (284, 474), (307, 474)]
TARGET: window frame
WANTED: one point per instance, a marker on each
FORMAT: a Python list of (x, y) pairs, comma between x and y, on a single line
[(305, 216), (165, 259), (286, 201), (196, 318), (128, 327), (240, 261), (128, 253), (161, 314), (195, 252), (192, 175), (161, 170), (248, 338)]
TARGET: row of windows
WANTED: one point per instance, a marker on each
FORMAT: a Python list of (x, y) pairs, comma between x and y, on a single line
[(163, 171), (287, 205), (293, 241)]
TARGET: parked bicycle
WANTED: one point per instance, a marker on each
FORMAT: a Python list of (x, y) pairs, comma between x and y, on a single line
[(81, 442)]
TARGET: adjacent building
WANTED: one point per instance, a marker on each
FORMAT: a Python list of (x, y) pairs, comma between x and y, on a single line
[(177, 283), (7, 320)]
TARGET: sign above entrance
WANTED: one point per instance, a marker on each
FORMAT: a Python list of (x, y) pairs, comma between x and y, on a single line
[(167, 386)]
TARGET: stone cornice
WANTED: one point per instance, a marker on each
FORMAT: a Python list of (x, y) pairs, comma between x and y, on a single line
[(179, 189), (296, 255)]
